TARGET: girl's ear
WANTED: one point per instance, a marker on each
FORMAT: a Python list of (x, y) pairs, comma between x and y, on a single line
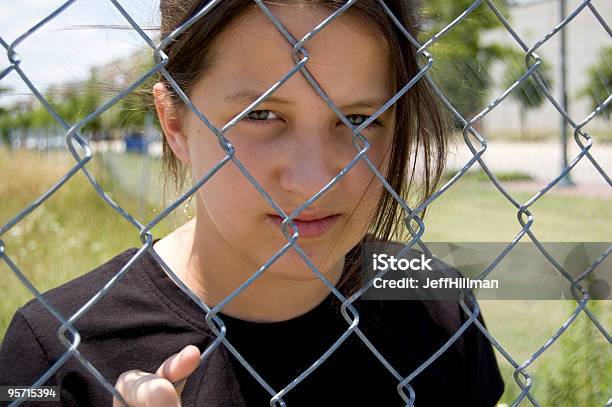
[(171, 123)]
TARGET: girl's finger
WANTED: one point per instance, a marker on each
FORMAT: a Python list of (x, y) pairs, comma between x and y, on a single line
[(141, 389), (180, 365)]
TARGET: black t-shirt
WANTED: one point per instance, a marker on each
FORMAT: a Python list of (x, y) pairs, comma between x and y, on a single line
[(146, 317)]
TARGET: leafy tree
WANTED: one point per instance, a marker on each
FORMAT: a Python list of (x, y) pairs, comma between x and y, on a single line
[(527, 94), (41, 119), (66, 104), (461, 59), (5, 118), (89, 101), (23, 120), (131, 110), (73, 102), (599, 86)]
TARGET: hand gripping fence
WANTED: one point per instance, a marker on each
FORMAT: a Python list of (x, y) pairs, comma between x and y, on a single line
[(476, 143)]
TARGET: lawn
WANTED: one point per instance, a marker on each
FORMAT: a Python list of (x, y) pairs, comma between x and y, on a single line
[(71, 233), (75, 230)]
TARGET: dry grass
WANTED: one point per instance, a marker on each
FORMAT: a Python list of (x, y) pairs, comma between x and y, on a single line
[(68, 235)]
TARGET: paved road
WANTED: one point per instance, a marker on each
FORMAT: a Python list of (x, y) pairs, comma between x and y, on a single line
[(542, 160)]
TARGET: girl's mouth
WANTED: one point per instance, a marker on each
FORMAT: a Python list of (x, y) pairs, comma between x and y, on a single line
[(309, 229)]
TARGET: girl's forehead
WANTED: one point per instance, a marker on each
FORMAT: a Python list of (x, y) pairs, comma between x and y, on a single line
[(253, 28), (345, 55)]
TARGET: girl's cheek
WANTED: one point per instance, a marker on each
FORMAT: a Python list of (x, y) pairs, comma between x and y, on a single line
[(205, 151), (378, 154)]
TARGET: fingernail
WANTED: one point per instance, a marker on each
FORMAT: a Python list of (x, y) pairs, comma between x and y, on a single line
[(185, 348)]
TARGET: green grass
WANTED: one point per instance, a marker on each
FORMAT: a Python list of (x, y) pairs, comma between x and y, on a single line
[(522, 327), (69, 234), (75, 231), (481, 176), (478, 212), (475, 211)]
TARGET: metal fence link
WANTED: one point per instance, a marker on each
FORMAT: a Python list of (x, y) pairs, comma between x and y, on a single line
[(477, 144)]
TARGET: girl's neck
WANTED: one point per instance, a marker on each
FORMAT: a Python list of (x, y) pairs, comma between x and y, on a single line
[(212, 269)]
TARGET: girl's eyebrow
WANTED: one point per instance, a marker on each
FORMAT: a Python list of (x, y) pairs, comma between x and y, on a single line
[(248, 96)]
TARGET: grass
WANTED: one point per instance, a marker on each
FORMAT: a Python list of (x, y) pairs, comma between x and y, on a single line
[(522, 327), (481, 176), (69, 234), (75, 231), (477, 212)]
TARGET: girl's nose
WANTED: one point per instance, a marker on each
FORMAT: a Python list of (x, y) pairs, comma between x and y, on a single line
[(310, 162)]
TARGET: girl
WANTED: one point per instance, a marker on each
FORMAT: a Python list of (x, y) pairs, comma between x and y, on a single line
[(292, 144)]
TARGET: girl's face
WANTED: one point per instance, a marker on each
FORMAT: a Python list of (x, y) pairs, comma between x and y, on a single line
[(293, 144)]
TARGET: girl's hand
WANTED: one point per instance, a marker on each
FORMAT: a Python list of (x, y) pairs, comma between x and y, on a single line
[(146, 389)]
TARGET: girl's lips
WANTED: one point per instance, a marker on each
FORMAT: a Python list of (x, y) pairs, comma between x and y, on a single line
[(309, 229)]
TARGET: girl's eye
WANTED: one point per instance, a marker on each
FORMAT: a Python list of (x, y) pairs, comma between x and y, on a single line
[(375, 123), (262, 118), (259, 117)]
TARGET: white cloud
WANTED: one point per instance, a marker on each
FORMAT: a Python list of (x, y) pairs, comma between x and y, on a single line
[(58, 53)]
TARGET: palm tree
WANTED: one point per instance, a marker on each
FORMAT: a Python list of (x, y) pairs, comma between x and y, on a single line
[(527, 94)]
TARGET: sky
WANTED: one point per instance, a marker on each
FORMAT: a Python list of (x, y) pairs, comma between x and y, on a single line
[(62, 50)]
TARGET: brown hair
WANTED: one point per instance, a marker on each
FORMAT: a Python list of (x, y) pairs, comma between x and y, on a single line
[(419, 125)]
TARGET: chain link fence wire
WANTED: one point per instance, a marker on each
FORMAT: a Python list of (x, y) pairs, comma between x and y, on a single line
[(81, 150)]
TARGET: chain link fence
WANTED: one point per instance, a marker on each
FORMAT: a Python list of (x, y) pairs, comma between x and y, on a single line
[(81, 150)]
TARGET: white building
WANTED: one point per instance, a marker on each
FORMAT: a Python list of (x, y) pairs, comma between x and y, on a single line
[(585, 38)]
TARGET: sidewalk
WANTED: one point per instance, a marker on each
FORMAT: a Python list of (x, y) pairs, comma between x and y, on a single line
[(541, 160)]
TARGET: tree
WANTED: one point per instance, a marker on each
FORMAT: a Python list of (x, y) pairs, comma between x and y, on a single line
[(461, 60), (599, 86), (5, 118), (89, 100), (528, 94), (74, 102), (132, 109)]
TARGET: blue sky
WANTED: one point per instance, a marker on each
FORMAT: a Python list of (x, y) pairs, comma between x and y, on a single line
[(61, 50)]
